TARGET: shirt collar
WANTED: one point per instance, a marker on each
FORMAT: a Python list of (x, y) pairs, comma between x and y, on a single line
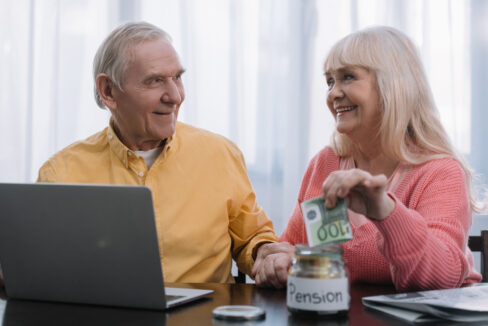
[(123, 152)]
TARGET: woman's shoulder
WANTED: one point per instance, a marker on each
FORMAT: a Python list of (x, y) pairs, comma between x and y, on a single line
[(320, 166), (440, 167), (326, 156), (437, 173)]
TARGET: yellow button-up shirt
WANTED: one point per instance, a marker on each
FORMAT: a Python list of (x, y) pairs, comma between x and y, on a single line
[(204, 205)]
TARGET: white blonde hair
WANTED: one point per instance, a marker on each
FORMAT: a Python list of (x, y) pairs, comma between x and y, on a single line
[(113, 55), (410, 128)]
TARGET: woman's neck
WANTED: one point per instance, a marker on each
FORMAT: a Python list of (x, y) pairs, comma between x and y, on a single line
[(374, 161)]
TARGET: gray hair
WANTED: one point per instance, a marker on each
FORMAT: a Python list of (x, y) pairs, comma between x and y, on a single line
[(410, 130), (112, 57)]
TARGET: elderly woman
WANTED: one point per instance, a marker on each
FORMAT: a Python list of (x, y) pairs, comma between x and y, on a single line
[(407, 189)]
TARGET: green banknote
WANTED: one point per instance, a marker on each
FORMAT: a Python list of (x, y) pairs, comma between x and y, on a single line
[(326, 225)]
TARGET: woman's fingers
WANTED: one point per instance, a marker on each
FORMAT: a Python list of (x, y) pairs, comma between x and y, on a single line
[(340, 183), (365, 193), (375, 182)]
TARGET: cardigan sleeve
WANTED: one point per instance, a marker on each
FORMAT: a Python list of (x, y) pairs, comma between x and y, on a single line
[(295, 232), (425, 243), (320, 166)]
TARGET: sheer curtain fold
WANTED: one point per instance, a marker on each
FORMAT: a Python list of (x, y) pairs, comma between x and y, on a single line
[(15, 89), (254, 74)]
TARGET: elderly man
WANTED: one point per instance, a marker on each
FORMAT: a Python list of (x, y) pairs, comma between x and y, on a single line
[(205, 207)]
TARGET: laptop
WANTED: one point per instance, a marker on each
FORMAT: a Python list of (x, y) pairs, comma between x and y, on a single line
[(88, 244)]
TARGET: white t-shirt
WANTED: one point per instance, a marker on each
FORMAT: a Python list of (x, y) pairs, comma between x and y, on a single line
[(150, 156)]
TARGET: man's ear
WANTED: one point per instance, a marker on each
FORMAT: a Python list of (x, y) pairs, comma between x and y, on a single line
[(105, 88)]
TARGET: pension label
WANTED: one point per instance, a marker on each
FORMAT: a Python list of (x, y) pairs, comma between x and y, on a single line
[(326, 225), (324, 295)]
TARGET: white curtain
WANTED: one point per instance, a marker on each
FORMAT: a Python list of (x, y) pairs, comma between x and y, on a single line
[(46, 87), (254, 75)]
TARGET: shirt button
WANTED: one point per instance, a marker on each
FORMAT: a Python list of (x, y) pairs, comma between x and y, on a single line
[(141, 174)]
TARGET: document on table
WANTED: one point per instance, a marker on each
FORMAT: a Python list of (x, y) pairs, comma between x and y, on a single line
[(3, 303), (466, 304)]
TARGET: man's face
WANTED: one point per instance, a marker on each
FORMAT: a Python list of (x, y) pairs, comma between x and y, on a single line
[(145, 111)]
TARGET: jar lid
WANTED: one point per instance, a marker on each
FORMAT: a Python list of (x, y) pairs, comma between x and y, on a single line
[(325, 250), (238, 313)]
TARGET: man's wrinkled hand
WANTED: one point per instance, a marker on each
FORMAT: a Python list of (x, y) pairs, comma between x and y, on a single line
[(272, 263)]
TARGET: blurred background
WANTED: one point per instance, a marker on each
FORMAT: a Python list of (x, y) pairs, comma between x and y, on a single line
[(253, 74)]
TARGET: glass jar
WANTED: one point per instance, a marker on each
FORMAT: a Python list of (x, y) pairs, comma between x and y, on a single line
[(317, 282)]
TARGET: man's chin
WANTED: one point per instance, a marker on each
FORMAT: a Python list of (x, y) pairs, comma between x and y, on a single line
[(163, 127), (167, 132)]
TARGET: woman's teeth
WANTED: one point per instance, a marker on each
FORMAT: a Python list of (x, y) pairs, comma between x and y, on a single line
[(345, 109)]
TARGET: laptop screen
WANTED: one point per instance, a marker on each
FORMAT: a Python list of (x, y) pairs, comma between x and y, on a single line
[(92, 244)]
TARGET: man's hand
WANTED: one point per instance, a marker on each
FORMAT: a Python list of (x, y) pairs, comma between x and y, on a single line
[(272, 263)]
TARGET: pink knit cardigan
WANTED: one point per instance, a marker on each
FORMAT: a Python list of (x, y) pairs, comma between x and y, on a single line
[(421, 245)]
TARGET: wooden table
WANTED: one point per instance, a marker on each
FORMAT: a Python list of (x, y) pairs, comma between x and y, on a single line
[(17, 312)]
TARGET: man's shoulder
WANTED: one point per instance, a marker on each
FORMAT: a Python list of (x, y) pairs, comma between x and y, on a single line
[(97, 140), (194, 136), (59, 163), (189, 131)]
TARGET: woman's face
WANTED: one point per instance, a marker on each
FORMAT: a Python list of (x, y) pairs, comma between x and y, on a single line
[(353, 100)]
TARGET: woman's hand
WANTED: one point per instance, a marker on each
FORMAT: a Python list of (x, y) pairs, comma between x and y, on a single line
[(364, 192)]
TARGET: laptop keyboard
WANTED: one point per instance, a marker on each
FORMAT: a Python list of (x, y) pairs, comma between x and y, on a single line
[(173, 297)]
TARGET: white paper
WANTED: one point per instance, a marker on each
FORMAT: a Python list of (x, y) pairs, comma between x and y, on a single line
[(408, 315), (467, 304)]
